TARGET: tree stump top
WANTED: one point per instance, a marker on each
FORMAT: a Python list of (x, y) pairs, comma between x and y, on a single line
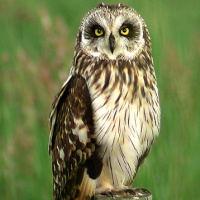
[(139, 194)]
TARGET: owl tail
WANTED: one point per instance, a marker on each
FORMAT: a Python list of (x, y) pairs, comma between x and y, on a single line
[(86, 189)]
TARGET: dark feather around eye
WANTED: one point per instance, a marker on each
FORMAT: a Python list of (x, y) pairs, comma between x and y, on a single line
[(90, 30), (134, 30)]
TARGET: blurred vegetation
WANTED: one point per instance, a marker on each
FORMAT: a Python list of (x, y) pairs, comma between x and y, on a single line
[(36, 50)]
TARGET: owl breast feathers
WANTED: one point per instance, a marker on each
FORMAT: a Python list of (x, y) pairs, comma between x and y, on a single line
[(107, 114)]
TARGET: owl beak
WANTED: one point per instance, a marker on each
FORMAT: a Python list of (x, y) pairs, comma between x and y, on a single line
[(112, 42)]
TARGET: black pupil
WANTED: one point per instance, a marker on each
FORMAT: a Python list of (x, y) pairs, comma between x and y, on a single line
[(99, 31), (124, 30)]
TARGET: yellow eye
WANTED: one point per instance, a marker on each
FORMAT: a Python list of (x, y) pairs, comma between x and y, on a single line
[(124, 31), (98, 32)]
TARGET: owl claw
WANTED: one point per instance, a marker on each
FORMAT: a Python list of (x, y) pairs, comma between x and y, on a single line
[(123, 192), (130, 191), (108, 194)]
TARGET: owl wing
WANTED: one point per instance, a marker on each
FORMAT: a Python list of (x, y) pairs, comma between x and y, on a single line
[(75, 163)]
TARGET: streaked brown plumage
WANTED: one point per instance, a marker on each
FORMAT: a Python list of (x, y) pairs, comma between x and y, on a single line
[(107, 114)]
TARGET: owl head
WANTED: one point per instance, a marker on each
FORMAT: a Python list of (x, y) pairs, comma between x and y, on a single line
[(112, 32)]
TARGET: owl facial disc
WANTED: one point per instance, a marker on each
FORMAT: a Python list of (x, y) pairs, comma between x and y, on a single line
[(109, 33)]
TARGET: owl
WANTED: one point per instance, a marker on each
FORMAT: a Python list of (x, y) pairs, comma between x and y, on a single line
[(105, 117)]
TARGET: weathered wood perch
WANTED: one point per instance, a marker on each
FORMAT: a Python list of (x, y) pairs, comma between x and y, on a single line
[(140, 193)]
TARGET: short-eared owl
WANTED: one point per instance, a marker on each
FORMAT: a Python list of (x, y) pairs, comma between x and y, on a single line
[(107, 114)]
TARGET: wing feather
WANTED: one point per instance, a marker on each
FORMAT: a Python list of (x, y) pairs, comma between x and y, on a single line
[(72, 141)]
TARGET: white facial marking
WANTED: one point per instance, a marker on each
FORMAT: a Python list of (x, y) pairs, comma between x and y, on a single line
[(100, 47)]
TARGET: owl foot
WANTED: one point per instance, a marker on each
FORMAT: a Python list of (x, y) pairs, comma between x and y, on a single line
[(108, 194), (118, 192), (136, 192), (130, 191), (123, 192)]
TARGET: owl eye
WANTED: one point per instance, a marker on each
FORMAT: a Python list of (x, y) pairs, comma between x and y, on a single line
[(98, 32), (124, 31)]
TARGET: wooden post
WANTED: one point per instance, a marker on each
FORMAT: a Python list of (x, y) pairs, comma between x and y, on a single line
[(138, 194)]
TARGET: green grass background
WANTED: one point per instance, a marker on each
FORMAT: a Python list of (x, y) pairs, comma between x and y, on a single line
[(36, 49)]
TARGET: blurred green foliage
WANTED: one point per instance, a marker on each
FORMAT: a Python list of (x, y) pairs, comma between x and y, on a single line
[(36, 50)]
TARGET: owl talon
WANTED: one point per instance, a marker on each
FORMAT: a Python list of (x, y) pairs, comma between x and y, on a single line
[(124, 192), (108, 194), (130, 191)]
